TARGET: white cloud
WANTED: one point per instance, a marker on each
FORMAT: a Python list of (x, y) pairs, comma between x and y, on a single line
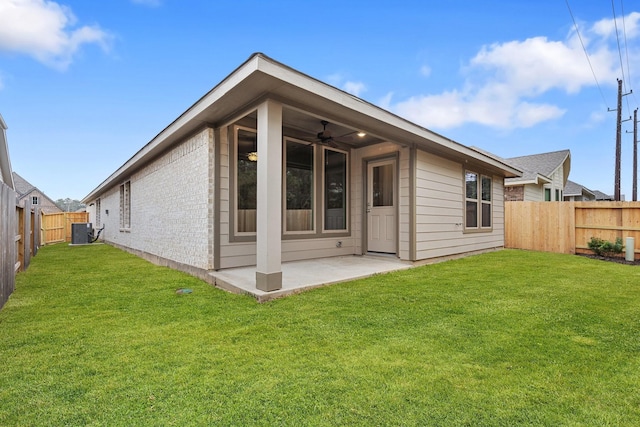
[(607, 27), (41, 29), (505, 82), (339, 80), (425, 70), (354, 88)]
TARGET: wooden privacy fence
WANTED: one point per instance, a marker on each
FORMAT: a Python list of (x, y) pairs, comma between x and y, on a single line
[(56, 227), (19, 239), (567, 227), (8, 242)]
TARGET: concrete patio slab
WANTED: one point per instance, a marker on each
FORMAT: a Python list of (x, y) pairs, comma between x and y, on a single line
[(298, 276)]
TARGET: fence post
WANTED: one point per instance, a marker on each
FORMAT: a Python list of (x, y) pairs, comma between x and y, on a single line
[(8, 230), (20, 213)]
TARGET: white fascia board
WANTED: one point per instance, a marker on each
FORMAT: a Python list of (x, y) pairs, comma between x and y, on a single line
[(540, 179)]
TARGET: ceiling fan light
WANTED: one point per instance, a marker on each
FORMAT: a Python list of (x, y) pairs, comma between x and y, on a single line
[(362, 134)]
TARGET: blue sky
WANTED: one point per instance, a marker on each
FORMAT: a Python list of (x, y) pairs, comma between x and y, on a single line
[(85, 84)]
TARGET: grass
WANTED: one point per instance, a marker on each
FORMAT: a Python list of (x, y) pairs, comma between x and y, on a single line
[(93, 336)]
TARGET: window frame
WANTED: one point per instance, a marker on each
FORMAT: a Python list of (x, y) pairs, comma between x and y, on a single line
[(318, 231), (242, 235), (314, 186), (347, 208), (478, 201), (125, 206), (98, 214)]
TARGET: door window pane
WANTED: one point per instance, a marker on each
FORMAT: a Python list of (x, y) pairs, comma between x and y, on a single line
[(299, 187), (335, 187), (383, 185)]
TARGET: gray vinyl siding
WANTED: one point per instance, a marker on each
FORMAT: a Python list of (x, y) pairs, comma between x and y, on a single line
[(440, 210), (404, 214), (533, 193), (232, 254), (557, 183)]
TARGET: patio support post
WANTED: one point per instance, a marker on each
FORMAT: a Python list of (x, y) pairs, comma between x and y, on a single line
[(269, 197)]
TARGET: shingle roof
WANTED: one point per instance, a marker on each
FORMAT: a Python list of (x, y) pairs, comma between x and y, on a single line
[(535, 165), (24, 188), (22, 185), (575, 189), (602, 196)]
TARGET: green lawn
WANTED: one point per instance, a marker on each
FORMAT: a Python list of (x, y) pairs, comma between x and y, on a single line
[(95, 336)]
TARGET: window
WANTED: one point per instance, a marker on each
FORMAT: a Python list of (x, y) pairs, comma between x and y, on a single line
[(299, 185), (125, 205), (478, 201), (98, 213), (471, 200), (314, 187), (557, 195), (547, 194), (246, 180), (34, 200), (335, 190), (486, 202)]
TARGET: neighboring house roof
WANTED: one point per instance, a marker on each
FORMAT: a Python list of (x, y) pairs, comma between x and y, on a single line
[(573, 189), (260, 78), (5, 164), (24, 188), (538, 168), (602, 196)]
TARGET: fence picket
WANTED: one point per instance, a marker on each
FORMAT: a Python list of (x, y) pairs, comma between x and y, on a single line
[(56, 227), (567, 227)]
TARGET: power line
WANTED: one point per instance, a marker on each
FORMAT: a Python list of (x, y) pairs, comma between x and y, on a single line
[(615, 23), (586, 54), (626, 50)]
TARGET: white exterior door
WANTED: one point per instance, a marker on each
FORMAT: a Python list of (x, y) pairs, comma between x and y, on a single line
[(381, 206)]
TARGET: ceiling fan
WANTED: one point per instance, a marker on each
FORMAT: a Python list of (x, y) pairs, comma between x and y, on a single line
[(326, 138)]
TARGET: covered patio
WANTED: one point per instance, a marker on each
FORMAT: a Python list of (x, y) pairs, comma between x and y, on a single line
[(298, 276)]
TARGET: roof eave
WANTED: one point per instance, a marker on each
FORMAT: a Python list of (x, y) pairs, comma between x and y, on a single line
[(539, 179), (260, 77)]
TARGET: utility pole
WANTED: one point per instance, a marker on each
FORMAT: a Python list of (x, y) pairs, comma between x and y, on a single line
[(635, 155), (616, 195), (634, 194)]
